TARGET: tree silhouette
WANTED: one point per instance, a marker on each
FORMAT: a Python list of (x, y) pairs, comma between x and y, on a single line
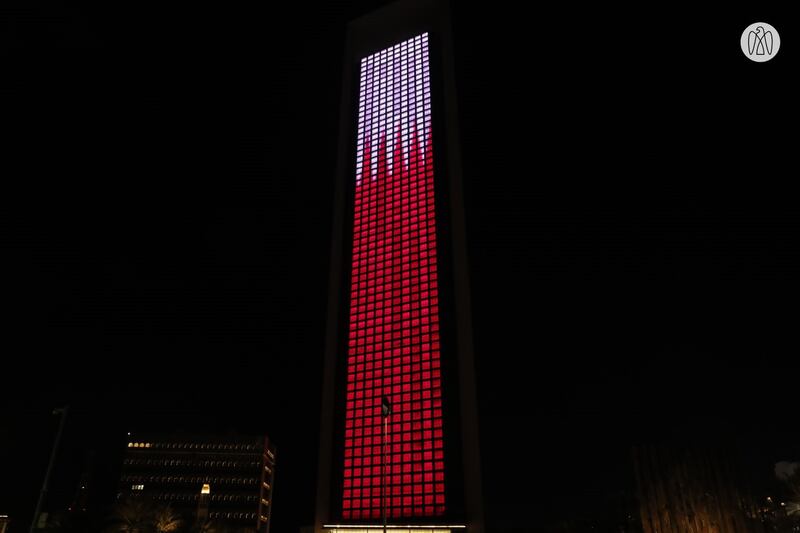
[(133, 515), (166, 520)]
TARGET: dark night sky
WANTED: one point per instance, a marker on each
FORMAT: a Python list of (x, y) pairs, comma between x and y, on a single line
[(633, 235)]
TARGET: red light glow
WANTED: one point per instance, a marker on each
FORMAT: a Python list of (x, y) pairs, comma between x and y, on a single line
[(393, 342)]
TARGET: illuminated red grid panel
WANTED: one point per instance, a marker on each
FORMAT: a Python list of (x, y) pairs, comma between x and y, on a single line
[(393, 343)]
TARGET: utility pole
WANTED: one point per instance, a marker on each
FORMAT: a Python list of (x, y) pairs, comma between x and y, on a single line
[(386, 410), (43, 494)]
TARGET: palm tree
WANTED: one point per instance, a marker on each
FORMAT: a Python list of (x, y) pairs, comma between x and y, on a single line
[(133, 515), (166, 520)]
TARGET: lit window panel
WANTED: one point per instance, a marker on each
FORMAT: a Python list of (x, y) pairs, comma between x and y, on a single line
[(393, 340)]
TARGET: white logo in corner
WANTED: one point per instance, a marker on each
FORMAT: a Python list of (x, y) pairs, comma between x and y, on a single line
[(760, 42)]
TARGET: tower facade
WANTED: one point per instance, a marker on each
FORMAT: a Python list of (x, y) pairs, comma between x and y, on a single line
[(399, 440)]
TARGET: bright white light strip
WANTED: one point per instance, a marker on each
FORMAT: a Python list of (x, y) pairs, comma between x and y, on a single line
[(388, 526), (353, 530)]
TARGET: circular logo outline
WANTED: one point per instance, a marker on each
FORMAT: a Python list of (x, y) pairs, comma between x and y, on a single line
[(760, 42)]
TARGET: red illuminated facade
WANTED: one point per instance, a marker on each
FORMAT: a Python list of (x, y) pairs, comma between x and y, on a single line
[(398, 317), (393, 342)]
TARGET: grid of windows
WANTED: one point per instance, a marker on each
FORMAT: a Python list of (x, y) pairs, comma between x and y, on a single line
[(393, 342), (190, 479)]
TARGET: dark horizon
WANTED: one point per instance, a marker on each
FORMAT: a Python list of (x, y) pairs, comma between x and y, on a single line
[(633, 240)]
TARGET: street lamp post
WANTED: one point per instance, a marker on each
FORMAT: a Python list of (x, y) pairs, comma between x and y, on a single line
[(386, 410), (43, 494)]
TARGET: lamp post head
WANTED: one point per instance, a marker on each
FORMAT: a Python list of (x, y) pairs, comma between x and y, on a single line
[(386, 407)]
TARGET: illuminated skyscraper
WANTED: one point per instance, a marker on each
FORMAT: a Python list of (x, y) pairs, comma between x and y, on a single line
[(399, 324)]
